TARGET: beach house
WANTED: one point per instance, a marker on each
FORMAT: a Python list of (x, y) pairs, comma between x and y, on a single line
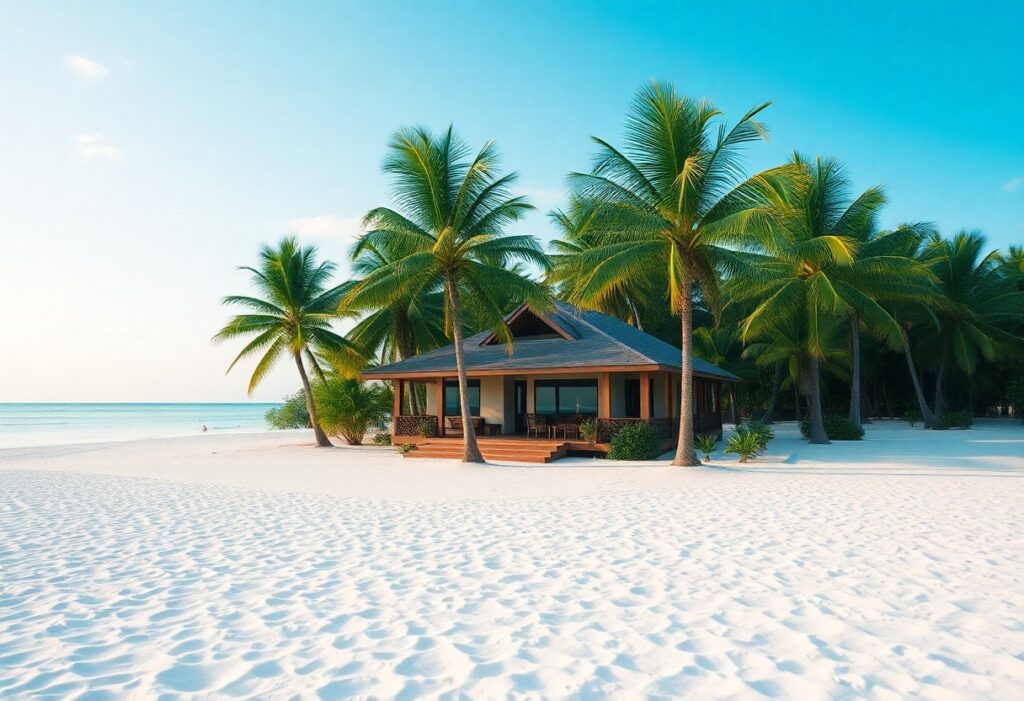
[(571, 379)]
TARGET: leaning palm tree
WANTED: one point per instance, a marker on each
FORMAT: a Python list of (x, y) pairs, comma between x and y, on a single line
[(450, 229), (291, 317), (665, 206)]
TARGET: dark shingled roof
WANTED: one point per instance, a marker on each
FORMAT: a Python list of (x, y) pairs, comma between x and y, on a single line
[(597, 340)]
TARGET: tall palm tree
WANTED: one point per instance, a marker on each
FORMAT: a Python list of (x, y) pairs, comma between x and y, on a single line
[(812, 274), (982, 304), (291, 317), (883, 270), (450, 227), (665, 206)]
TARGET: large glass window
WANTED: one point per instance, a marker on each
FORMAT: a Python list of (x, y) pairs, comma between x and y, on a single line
[(565, 397), (451, 398)]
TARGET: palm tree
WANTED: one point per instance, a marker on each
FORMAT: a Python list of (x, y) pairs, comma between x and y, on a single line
[(664, 207), (292, 316), (982, 304), (883, 270), (811, 273), (450, 229), (410, 325), (575, 229)]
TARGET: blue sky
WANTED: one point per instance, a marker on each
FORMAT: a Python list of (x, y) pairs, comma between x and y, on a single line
[(146, 149)]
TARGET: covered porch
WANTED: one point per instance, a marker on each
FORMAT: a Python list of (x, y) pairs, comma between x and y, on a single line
[(551, 407)]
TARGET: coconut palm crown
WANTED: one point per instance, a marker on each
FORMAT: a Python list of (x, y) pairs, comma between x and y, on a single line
[(666, 206), (291, 317), (448, 231)]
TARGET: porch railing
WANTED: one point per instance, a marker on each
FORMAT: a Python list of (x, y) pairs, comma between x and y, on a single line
[(411, 425)]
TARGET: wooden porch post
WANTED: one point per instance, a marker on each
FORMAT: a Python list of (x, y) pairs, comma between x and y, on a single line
[(645, 396), (604, 396), (396, 409), (440, 406)]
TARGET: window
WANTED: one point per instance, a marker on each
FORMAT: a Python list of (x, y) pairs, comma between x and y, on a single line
[(565, 397), (451, 398), (631, 393)]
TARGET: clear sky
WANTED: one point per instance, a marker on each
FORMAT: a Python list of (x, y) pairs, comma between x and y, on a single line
[(148, 148)]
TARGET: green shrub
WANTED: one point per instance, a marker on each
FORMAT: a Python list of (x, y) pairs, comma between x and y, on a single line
[(427, 428), (746, 444), (291, 414), (955, 419), (912, 415), (760, 429), (637, 441), (382, 438), (706, 444), (349, 408), (588, 430), (837, 428), (404, 448)]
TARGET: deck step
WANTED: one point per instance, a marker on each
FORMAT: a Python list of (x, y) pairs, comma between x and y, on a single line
[(511, 450)]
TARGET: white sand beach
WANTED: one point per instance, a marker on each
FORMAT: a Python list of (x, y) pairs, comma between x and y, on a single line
[(258, 566)]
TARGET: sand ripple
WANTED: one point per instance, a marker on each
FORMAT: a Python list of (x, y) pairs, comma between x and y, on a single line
[(729, 586)]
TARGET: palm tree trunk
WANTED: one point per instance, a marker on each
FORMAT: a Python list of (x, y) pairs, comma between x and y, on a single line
[(855, 377), (773, 400), (686, 455), (635, 313), (927, 417), (940, 376), (732, 406), (321, 438), (471, 452), (796, 404), (818, 434)]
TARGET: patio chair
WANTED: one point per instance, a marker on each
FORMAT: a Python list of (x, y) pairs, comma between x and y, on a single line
[(535, 424)]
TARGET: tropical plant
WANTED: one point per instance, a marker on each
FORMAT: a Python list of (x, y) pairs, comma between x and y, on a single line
[(349, 408), (293, 413), (636, 441), (956, 419), (449, 228), (883, 270), (838, 428), (745, 444), (382, 438), (663, 208), (427, 428), (412, 324), (404, 448), (982, 305), (588, 430), (566, 274), (912, 416), (811, 274), (293, 316), (762, 430), (706, 443)]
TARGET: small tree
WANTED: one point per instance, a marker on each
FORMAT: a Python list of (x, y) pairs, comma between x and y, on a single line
[(293, 413), (349, 408)]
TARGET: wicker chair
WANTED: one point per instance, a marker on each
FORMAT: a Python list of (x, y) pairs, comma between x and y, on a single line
[(535, 424)]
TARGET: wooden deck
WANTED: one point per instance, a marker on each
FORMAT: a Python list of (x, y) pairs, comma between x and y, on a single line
[(510, 448)]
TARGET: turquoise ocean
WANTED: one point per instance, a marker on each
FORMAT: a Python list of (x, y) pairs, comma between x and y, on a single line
[(24, 425)]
